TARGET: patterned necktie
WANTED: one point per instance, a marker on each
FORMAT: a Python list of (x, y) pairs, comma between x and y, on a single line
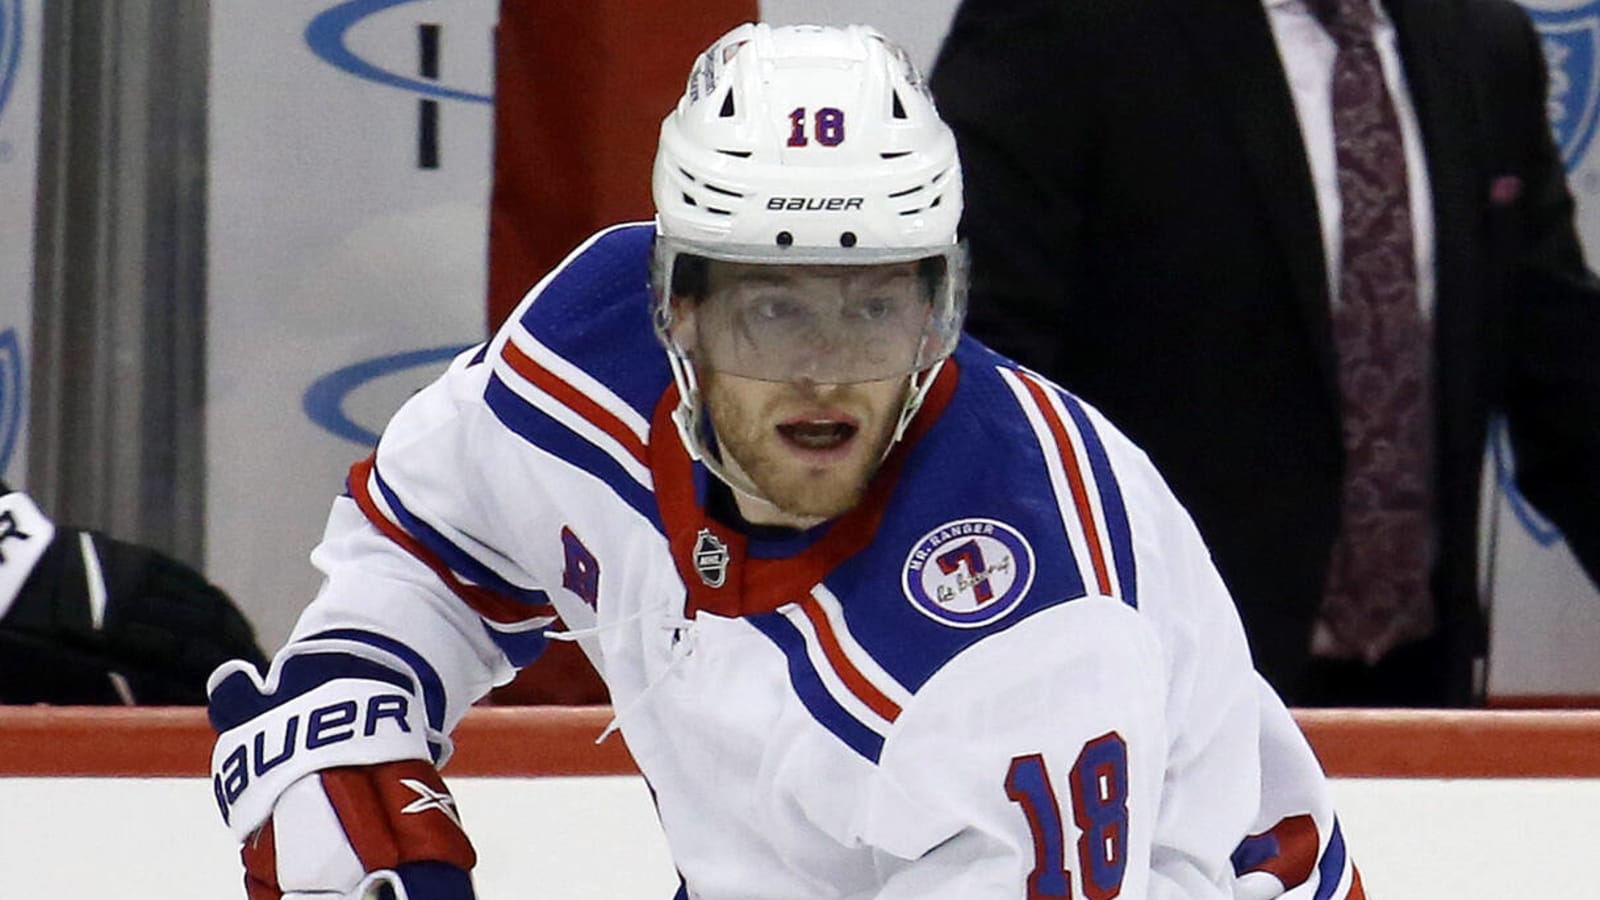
[(1377, 594)]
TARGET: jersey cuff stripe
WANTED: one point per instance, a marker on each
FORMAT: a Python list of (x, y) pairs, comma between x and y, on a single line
[(1287, 852), (1114, 511), (808, 686), (1330, 871), (550, 436), (484, 602), (433, 694)]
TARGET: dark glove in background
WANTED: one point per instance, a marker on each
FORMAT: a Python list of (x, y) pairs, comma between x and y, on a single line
[(165, 628)]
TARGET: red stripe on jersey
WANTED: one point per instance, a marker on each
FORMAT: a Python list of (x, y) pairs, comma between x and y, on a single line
[(395, 813), (1356, 891), (1080, 495), (599, 416), (1298, 845), (858, 684), (492, 606), (260, 857)]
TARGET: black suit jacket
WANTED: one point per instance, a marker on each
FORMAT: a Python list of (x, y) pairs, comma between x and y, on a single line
[(1144, 230)]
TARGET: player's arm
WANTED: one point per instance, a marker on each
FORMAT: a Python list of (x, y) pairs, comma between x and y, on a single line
[(1296, 847), (326, 765), (1246, 807)]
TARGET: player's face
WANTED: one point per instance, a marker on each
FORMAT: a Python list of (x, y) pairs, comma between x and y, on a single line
[(819, 324), (809, 448), (811, 439)]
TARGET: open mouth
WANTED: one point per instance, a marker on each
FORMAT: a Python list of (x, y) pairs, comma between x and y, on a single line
[(818, 434)]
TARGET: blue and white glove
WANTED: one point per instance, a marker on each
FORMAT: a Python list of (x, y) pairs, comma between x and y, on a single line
[(325, 771)]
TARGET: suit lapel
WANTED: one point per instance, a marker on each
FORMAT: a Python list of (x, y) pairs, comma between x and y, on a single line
[(1236, 52)]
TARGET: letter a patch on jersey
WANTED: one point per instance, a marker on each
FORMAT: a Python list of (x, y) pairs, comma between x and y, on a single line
[(969, 572)]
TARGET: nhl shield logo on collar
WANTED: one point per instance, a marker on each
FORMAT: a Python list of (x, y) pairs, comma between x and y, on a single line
[(711, 557), (968, 573)]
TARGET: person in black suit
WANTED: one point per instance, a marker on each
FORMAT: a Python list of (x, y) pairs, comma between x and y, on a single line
[(1148, 188)]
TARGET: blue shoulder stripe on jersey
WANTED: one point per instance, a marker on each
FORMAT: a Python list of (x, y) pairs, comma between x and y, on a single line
[(433, 697), (809, 688), (236, 699), (1331, 866), (593, 311), (521, 647), (1110, 501), (457, 559), (541, 430)]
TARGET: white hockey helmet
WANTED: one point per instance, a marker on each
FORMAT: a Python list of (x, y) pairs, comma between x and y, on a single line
[(811, 146), (807, 144)]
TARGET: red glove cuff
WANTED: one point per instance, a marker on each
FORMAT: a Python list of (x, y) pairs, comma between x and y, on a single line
[(396, 813), (392, 814)]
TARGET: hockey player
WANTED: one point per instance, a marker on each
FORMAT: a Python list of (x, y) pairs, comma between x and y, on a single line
[(881, 614)]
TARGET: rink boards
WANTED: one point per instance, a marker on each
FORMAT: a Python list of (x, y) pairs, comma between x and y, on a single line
[(116, 803)]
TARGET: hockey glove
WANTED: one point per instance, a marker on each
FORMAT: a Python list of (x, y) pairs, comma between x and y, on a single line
[(88, 619), (325, 770), (391, 830)]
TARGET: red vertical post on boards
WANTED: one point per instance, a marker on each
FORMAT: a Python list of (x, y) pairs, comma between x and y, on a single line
[(580, 91)]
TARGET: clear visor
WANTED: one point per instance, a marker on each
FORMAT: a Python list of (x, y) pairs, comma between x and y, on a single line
[(826, 323)]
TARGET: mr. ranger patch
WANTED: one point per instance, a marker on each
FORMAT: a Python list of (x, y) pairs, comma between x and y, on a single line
[(969, 572)]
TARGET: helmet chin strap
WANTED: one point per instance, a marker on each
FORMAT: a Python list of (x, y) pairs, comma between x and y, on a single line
[(690, 413), (688, 418), (919, 385)]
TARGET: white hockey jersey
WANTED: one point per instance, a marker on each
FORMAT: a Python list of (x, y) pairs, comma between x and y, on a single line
[(1011, 672)]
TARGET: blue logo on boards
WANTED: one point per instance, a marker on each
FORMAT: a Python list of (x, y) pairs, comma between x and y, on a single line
[(1571, 38), (12, 393), (1538, 527), (10, 48), (324, 401), (1571, 42), (326, 36)]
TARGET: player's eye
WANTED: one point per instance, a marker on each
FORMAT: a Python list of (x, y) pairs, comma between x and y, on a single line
[(874, 309), (775, 309)]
